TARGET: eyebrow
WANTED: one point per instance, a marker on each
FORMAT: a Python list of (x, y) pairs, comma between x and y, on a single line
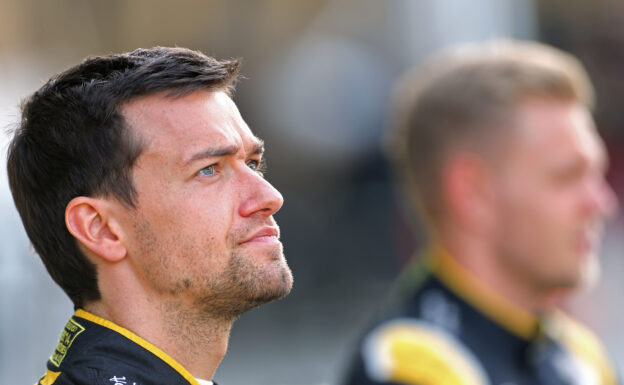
[(213, 152), (257, 147)]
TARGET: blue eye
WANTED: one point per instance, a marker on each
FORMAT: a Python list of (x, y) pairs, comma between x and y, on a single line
[(258, 166), (207, 171)]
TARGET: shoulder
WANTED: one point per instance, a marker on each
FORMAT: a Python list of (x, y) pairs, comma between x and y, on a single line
[(413, 351), (585, 346), (92, 351)]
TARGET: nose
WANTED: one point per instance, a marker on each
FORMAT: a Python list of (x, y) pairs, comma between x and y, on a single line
[(259, 196)]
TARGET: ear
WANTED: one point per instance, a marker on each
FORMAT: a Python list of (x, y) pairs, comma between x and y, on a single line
[(89, 221), (468, 190)]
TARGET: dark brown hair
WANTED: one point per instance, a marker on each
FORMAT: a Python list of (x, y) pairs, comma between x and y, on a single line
[(72, 141)]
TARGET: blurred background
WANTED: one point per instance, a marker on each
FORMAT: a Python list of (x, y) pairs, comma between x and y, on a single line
[(318, 75)]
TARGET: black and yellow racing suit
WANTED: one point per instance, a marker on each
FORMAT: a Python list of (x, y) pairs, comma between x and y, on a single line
[(95, 351), (449, 329)]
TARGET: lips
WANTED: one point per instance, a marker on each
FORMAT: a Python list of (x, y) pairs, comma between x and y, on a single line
[(589, 240), (266, 234)]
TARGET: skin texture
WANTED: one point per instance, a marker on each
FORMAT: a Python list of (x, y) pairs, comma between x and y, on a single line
[(201, 246), (196, 211), (529, 223), (552, 211)]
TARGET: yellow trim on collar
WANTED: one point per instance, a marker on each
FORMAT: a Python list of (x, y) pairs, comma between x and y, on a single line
[(49, 378), (139, 341), (585, 345), (510, 316)]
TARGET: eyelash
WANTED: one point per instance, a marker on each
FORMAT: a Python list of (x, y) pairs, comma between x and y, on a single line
[(260, 167)]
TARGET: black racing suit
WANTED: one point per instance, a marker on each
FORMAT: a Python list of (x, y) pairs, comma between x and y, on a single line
[(94, 351), (449, 329)]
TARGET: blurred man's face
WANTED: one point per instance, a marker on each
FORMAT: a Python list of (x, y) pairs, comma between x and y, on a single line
[(553, 197), (202, 234)]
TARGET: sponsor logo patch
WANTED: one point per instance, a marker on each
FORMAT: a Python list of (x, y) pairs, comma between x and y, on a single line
[(69, 334)]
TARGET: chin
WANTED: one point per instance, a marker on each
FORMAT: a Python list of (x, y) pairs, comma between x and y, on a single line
[(280, 281), (248, 290), (590, 273), (271, 282), (584, 276), (269, 292)]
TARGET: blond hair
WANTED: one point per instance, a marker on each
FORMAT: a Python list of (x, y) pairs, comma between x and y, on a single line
[(465, 96)]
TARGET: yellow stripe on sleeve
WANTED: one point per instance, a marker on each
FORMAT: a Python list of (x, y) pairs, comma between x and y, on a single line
[(418, 353)]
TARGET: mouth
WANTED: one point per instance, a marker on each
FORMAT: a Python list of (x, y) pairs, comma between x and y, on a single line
[(589, 241), (266, 235)]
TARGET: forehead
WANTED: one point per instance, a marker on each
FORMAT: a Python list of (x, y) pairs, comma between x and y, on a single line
[(178, 126), (555, 131)]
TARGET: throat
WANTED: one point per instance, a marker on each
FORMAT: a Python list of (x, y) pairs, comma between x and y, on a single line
[(197, 340)]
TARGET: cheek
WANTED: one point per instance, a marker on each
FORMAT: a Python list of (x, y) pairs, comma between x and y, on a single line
[(525, 216), (175, 210), (548, 215), (187, 213), (541, 200), (541, 225)]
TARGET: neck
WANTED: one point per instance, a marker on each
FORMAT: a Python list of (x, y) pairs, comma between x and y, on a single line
[(197, 341), (480, 260)]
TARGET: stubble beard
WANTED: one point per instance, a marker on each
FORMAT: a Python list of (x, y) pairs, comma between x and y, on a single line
[(242, 285), (245, 285)]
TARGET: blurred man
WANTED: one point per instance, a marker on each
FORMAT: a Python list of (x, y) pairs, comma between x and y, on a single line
[(499, 154), (141, 189)]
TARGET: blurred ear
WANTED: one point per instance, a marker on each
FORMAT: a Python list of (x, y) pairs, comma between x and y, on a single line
[(89, 221), (467, 189)]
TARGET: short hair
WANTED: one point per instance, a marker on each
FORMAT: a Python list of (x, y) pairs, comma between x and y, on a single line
[(72, 141), (466, 96)]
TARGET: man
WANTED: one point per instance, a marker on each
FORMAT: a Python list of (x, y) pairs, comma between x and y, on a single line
[(500, 157), (141, 188)]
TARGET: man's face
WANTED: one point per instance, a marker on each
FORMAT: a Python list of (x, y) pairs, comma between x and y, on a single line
[(202, 233), (553, 197)]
